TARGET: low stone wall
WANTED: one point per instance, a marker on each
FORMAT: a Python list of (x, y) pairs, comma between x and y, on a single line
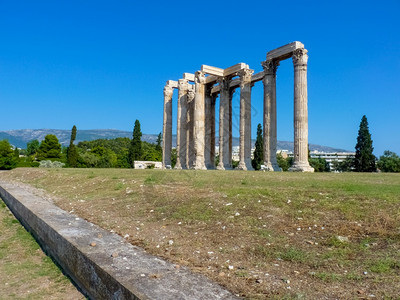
[(102, 264), (147, 164)]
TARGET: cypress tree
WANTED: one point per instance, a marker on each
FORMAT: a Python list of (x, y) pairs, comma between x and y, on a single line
[(135, 150), (364, 160), (158, 143), (258, 151), (72, 152)]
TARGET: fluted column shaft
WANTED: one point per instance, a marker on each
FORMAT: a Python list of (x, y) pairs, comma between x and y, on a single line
[(212, 133), (181, 124), (209, 129), (300, 163), (224, 125), (231, 91), (270, 119), (190, 128), (199, 121), (167, 127), (245, 120)]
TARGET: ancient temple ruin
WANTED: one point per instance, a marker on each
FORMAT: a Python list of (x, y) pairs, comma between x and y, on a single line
[(197, 93)]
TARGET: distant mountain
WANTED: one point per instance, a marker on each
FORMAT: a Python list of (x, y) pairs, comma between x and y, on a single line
[(21, 137)]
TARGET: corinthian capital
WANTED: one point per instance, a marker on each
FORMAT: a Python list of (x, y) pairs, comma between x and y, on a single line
[(245, 74), (270, 66), (168, 92), (199, 77), (190, 95), (182, 84), (300, 57)]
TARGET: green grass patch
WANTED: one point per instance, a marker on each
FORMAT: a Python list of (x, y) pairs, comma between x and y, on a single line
[(293, 255), (25, 267), (384, 265)]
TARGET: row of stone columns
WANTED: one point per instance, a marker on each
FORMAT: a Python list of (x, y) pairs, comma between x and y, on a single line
[(196, 115)]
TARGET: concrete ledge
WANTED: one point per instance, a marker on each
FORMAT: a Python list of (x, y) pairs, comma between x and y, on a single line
[(132, 274)]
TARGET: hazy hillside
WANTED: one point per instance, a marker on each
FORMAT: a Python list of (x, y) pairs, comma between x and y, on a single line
[(21, 137)]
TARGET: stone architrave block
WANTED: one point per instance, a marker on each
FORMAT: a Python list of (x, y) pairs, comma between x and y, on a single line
[(235, 68), (284, 52), (172, 83), (212, 70), (188, 76)]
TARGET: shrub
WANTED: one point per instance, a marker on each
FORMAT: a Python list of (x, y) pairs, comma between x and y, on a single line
[(51, 164)]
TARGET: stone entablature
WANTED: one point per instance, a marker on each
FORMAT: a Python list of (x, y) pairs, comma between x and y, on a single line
[(197, 94)]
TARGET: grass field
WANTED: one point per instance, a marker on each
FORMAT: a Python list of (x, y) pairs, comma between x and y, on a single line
[(262, 235), (25, 271)]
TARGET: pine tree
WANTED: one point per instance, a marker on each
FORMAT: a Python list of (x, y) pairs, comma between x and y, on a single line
[(7, 157), (258, 151), (49, 148), (72, 152), (364, 160), (135, 150), (32, 147)]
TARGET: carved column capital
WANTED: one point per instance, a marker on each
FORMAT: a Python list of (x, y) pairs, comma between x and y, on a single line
[(270, 66), (168, 91), (190, 95), (245, 77), (300, 57), (183, 84), (199, 77), (245, 74)]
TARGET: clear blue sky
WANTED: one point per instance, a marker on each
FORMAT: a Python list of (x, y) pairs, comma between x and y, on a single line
[(103, 64)]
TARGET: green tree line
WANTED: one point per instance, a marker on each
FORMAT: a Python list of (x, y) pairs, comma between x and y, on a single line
[(122, 152)]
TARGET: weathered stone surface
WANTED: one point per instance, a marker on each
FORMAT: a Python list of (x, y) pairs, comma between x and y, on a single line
[(212, 70), (188, 76), (300, 162), (270, 126), (172, 84), (139, 164), (181, 124), (201, 125), (199, 119), (245, 120), (285, 51), (103, 264), (190, 128), (224, 130), (235, 83), (167, 125), (234, 69)]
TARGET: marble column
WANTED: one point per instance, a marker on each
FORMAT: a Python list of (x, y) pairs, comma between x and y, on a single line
[(245, 120), (224, 132), (300, 163), (231, 92), (209, 128), (167, 127), (270, 126), (212, 133), (181, 125), (189, 128), (199, 119)]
